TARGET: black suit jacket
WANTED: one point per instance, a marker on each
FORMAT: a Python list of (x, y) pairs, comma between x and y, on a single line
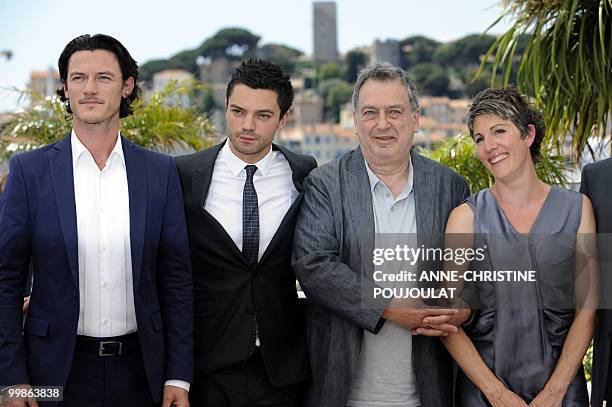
[(596, 184), (227, 289)]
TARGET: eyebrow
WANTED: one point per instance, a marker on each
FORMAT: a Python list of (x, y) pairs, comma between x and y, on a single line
[(490, 128), (496, 125), (384, 107), (109, 73), (266, 110)]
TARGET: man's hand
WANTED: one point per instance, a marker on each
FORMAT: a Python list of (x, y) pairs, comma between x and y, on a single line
[(411, 314), (175, 396), (26, 305), (13, 401), (457, 319)]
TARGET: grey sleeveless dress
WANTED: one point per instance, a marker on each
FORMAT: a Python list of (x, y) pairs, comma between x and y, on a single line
[(520, 327)]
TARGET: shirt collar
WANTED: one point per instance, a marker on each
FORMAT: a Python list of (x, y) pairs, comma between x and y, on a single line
[(236, 165), (374, 180), (78, 149)]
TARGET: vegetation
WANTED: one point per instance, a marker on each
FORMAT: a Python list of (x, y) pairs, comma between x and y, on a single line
[(160, 123), (284, 56), (434, 65), (565, 65), (459, 153), (335, 93), (231, 43)]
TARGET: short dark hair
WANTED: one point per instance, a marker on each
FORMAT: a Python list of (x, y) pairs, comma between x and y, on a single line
[(509, 104), (127, 64), (262, 74)]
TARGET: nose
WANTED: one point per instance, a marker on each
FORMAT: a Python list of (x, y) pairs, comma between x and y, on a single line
[(91, 87), (248, 123), (490, 144), (382, 123)]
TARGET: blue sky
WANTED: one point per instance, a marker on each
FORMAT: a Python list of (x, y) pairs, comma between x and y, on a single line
[(37, 30)]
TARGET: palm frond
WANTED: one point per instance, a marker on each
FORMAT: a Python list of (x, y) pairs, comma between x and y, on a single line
[(565, 65)]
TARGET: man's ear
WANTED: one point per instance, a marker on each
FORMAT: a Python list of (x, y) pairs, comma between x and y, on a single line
[(283, 119), (417, 117), (128, 87)]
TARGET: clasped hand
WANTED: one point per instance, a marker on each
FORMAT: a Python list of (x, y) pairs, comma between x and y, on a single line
[(424, 320)]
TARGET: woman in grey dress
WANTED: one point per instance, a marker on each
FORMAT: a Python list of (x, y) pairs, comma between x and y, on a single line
[(526, 341)]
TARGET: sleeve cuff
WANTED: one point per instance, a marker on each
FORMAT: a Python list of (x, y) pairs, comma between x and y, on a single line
[(178, 383)]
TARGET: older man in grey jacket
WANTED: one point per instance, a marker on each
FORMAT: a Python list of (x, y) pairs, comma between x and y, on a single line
[(368, 350)]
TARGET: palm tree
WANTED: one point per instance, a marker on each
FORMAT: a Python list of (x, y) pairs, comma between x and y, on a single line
[(160, 123), (565, 65)]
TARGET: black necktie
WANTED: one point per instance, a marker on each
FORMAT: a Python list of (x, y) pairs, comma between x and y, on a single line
[(250, 236), (250, 218)]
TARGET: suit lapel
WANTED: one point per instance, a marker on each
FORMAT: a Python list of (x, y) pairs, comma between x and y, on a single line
[(358, 207), (136, 169), (60, 162), (201, 185), (299, 169), (424, 195), (203, 174), (426, 206), (298, 173)]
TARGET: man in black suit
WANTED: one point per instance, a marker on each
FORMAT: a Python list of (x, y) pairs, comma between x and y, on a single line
[(241, 202), (596, 185)]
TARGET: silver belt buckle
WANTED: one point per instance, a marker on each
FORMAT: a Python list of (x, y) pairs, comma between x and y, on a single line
[(104, 343)]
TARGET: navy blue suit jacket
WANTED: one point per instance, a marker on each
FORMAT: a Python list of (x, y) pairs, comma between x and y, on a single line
[(38, 223)]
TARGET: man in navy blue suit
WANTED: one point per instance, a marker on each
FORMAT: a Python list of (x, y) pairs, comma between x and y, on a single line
[(101, 220)]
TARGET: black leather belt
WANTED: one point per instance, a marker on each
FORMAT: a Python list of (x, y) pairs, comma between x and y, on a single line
[(113, 346)]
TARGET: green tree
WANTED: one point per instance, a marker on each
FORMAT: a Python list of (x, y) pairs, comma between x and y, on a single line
[(417, 50), (335, 92), (331, 70), (282, 55), (464, 52), (431, 79), (232, 43), (148, 69), (475, 81), (565, 65), (459, 153), (161, 123), (355, 61)]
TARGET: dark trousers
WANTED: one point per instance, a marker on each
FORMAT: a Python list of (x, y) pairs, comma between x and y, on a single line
[(243, 385), (608, 392), (105, 381)]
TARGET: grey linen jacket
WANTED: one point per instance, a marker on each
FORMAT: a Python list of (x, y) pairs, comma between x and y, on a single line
[(332, 257)]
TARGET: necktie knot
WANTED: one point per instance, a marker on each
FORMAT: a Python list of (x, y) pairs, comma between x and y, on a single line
[(250, 170)]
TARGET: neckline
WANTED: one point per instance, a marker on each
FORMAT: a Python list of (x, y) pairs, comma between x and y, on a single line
[(535, 221)]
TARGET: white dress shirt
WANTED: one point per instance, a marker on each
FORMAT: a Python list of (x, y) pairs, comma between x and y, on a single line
[(103, 232), (275, 194)]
